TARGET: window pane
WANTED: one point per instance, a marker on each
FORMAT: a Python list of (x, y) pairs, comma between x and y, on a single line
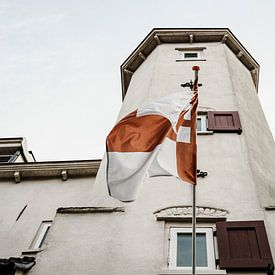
[(201, 252), (5, 158), (198, 124), (184, 250), (190, 55)]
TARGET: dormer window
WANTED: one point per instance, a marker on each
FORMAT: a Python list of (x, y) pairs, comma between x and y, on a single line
[(190, 54), (14, 150), (5, 158), (9, 158)]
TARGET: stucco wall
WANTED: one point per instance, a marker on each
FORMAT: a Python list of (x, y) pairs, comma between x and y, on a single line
[(42, 198), (225, 156)]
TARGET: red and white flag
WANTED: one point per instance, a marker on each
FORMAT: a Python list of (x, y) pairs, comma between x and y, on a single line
[(157, 139)]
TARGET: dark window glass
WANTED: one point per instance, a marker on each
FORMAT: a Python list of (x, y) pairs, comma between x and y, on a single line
[(4, 159), (190, 55)]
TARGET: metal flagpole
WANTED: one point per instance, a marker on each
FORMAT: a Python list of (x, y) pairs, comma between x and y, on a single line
[(195, 88), (194, 231)]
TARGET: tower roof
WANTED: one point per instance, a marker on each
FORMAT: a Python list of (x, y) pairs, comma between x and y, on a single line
[(185, 35)]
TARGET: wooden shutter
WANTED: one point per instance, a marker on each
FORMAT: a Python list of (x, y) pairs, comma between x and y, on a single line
[(244, 246), (224, 121)]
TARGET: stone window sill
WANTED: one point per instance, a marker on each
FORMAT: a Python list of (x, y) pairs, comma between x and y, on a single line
[(32, 251)]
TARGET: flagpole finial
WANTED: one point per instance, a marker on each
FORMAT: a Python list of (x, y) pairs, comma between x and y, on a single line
[(195, 68)]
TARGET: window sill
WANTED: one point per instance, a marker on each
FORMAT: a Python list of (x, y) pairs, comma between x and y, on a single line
[(32, 251), (190, 59), (203, 133), (183, 272)]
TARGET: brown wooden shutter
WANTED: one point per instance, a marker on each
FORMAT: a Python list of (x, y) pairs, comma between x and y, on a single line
[(244, 246), (224, 121)]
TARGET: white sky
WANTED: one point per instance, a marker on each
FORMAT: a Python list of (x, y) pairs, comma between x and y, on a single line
[(60, 78)]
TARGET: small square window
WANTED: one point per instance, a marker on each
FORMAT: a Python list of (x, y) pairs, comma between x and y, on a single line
[(180, 252)]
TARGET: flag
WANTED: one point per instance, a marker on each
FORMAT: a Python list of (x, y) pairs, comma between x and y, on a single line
[(157, 139)]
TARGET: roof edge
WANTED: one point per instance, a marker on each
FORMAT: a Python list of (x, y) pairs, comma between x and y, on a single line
[(49, 169)]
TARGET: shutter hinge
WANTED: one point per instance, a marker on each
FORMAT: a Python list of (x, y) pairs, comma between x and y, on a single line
[(215, 233), (217, 262)]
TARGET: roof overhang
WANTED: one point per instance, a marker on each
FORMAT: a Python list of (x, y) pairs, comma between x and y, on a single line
[(49, 169), (182, 35)]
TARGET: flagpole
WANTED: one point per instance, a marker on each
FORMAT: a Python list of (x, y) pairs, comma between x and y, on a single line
[(195, 89), (194, 231)]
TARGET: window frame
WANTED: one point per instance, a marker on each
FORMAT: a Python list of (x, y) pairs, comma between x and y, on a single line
[(203, 119), (204, 125), (40, 235), (195, 50), (210, 248)]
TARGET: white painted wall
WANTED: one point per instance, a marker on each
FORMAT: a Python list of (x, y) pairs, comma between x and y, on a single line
[(42, 198)]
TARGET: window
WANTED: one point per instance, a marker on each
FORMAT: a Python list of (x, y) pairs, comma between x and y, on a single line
[(189, 54), (5, 158), (9, 158), (180, 254), (201, 123), (244, 246), (41, 235)]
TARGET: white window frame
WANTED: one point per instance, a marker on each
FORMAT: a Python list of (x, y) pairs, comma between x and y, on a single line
[(198, 52), (183, 51), (208, 231), (41, 234), (203, 119)]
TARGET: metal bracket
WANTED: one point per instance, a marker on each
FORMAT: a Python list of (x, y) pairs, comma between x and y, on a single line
[(190, 85), (201, 174)]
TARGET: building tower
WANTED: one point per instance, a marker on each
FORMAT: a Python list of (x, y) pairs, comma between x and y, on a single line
[(92, 233)]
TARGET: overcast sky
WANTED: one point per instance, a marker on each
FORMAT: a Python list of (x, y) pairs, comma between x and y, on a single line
[(60, 78)]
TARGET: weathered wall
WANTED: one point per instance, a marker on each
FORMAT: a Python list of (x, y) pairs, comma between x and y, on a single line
[(42, 198)]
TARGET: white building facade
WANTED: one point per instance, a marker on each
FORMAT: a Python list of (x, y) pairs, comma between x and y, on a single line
[(59, 213)]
